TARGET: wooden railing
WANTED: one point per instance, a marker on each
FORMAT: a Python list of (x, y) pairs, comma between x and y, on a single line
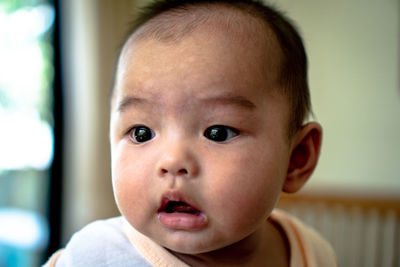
[(362, 231)]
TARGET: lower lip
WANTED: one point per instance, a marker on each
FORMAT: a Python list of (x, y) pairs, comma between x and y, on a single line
[(183, 221)]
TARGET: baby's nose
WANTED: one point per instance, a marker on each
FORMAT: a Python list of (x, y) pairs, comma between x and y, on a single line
[(182, 171), (178, 160)]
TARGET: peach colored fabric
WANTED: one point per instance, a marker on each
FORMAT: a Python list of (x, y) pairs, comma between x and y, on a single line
[(307, 247), (52, 261)]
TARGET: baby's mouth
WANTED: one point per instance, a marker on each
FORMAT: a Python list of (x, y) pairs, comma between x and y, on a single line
[(179, 206), (175, 202), (175, 212)]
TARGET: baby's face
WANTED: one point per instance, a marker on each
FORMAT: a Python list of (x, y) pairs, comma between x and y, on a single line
[(199, 140)]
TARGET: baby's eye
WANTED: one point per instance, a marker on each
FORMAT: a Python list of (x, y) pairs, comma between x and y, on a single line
[(220, 133), (141, 134)]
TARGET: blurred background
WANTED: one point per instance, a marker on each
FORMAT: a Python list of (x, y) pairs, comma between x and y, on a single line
[(56, 64)]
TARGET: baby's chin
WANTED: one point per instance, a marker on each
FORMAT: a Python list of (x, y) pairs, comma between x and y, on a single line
[(186, 243), (189, 247), (187, 251), (196, 246)]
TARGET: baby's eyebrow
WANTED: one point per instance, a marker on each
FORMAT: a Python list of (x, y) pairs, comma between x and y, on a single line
[(130, 101), (239, 101)]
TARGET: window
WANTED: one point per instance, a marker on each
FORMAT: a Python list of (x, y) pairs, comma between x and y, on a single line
[(26, 129)]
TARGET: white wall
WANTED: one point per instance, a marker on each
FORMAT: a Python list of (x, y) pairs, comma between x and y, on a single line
[(92, 33), (354, 56)]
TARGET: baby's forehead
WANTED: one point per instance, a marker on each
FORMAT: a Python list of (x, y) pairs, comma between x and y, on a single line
[(172, 25), (241, 27), (250, 38)]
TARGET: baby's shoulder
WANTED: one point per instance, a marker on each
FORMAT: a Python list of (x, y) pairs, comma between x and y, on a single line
[(307, 246), (101, 243)]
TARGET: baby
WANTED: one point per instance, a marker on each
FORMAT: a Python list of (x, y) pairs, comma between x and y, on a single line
[(207, 129)]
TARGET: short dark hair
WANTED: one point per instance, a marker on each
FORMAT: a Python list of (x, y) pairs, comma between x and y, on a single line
[(293, 67)]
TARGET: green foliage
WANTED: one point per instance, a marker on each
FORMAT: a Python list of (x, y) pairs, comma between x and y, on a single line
[(13, 5)]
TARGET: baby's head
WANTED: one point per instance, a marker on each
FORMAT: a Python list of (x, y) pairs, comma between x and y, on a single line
[(207, 119)]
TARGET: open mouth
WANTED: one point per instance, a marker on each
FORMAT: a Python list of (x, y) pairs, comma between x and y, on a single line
[(176, 203), (176, 212), (179, 206)]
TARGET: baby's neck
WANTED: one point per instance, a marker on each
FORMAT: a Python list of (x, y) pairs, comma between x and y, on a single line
[(267, 246)]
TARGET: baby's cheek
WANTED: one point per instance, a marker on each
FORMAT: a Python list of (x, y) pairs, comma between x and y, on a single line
[(245, 200), (129, 193), (249, 210), (131, 202)]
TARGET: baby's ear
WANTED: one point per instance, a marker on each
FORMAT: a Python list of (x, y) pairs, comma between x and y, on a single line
[(304, 156)]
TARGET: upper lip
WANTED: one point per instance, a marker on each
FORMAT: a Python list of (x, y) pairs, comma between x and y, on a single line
[(175, 196)]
